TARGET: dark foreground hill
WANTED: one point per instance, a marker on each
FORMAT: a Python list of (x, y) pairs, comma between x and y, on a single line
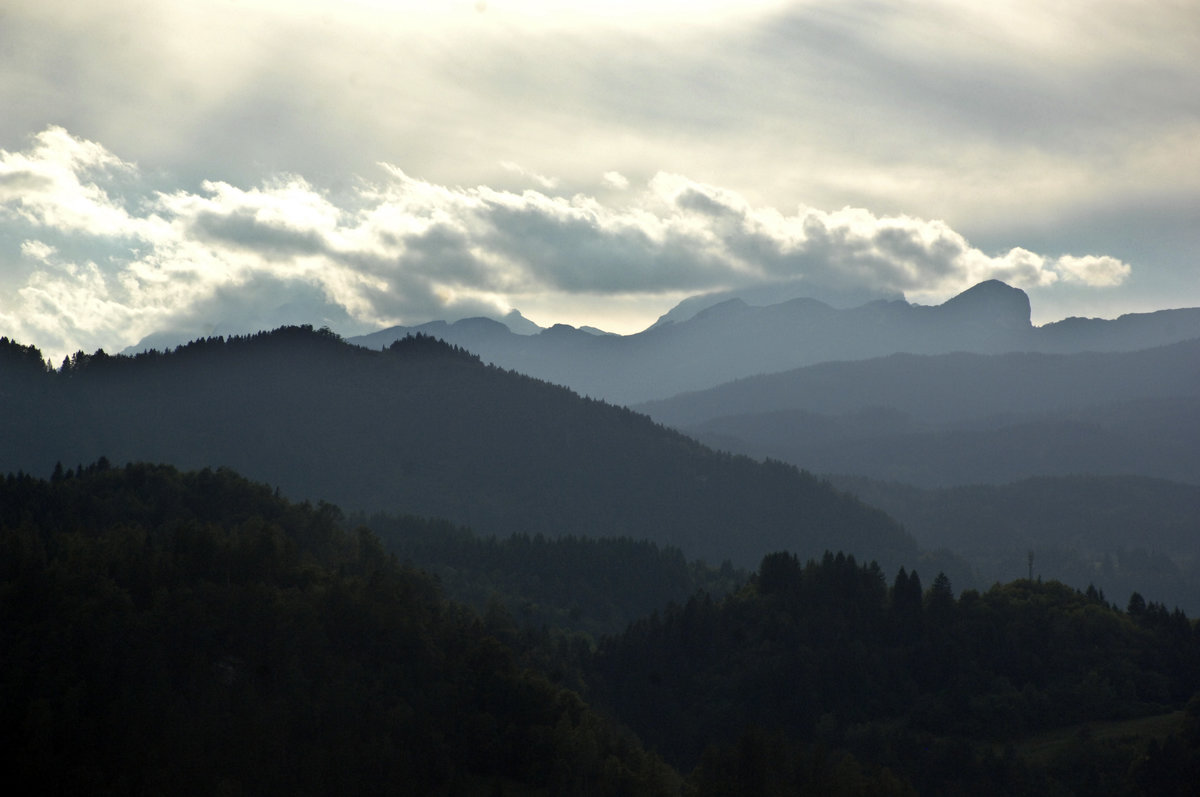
[(938, 688), (195, 634), (426, 429)]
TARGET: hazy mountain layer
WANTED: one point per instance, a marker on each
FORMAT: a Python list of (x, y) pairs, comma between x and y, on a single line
[(732, 339), (426, 429), (963, 418), (1119, 533), (1150, 437)]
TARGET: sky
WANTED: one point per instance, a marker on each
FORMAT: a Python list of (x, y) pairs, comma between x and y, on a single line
[(218, 167)]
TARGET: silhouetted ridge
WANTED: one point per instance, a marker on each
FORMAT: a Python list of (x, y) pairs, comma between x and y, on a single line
[(426, 428), (991, 303), (423, 345), (704, 345)]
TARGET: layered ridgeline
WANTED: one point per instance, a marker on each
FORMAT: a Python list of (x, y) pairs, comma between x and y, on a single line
[(1090, 460), (424, 428), (698, 345), (937, 420)]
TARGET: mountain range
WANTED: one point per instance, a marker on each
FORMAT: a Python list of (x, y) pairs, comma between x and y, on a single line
[(690, 350)]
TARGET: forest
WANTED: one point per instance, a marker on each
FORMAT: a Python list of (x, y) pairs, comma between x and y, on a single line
[(424, 428), (194, 632)]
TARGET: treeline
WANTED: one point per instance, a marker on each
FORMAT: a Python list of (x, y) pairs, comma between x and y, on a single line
[(925, 684), (195, 633), (192, 633), (1121, 533), (576, 584)]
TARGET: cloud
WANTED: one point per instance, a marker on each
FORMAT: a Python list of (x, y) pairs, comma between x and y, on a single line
[(107, 261), (1092, 270), (55, 185), (616, 180)]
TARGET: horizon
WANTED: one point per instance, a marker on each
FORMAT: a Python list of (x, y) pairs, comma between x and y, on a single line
[(365, 164)]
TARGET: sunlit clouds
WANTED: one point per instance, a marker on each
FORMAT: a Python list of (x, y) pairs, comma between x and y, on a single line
[(399, 249), (205, 166)]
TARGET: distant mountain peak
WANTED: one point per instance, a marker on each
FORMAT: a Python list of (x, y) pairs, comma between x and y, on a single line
[(482, 324), (993, 301), (720, 309), (520, 324)]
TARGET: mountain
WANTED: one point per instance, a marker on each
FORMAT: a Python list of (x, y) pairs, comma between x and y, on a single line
[(165, 340), (706, 341), (425, 428), (1150, 437), (1099, 431), (963, 418)]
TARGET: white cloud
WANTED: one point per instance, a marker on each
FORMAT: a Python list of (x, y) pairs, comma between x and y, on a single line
[(1092, 270), (616, 180), (56, 185), (406, 250), (37, 250)]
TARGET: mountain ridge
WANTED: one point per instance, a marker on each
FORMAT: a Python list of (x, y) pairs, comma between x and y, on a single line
[(426, 428), (731, 339)]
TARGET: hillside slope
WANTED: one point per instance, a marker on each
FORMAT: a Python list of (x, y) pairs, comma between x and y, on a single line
[(426, 429)]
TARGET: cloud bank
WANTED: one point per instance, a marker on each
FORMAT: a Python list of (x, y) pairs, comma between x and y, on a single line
[(91, 256)]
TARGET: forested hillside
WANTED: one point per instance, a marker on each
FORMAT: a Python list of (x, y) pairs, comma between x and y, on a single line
[(195, 633), (938, 689), (579, 584), (423, 428), (169, 633)]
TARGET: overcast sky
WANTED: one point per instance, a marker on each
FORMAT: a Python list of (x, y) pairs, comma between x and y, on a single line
[(234, 164)]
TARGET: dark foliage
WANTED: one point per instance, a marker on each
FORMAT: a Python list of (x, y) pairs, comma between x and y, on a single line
[(923, 683), (576, 584), (192, 633)]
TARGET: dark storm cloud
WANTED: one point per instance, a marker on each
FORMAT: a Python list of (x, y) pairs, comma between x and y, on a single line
[(243, 229), (571, 249), (21, 182)]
